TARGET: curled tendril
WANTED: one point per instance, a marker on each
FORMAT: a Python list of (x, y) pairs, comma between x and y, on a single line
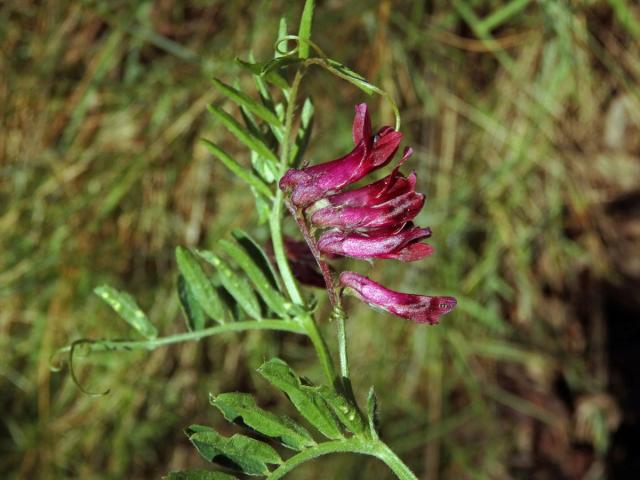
[(74, 345), (296, 48), (325, 62)]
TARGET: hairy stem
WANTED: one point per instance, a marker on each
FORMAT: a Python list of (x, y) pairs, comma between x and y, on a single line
[(334, 298), (298, 214), (364, 446)]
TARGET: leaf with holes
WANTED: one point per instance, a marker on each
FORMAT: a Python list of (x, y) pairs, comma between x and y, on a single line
[(242, 406), (346, 412), (239, 452), (199, 475)]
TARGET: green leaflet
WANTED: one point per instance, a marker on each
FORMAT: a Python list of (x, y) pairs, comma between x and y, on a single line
[(242, 99), (242, 134), (196, 316), (126, 306), (258, 255), (200, 285), (199, 475), (355, 78), (346, 412), (267, 170), (242, 406), (276, 64), (265, 288), (237, 286), (282, 32), (307, 400), (372, 413), (272, 77), (243, 453), (305, 29), (240, 171)]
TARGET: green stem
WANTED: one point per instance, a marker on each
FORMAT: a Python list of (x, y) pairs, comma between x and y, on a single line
[(309, 325), (152, 344), (342, 347), (276, 213), (322, 351), (360, 445)]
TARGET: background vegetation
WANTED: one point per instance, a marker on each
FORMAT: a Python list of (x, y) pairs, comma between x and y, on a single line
[(525, 120)]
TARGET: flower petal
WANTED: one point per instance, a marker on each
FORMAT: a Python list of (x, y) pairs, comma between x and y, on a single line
[(384, 243), (419, 308), (398, 210), (361, 124)]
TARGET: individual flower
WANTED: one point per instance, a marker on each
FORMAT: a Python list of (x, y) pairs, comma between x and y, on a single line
[(398, 210), (371, 152), (418, 308), (388, 243), (378, 192)]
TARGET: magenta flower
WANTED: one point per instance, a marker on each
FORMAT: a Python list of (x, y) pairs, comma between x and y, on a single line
[(309, 184), (419, 308), (381, 243), (371, 222)]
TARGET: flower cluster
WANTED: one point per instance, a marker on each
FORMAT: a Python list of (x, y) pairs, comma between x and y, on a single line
[(370, 222)]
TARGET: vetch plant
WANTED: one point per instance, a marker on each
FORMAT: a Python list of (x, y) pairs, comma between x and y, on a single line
[(241, 286)]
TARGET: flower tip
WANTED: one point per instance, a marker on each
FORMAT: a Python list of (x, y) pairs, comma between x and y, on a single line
[(361, 124)]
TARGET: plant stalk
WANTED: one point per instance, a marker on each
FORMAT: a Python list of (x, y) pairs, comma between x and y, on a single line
[(357, 444), (275, 219), (114, 345)]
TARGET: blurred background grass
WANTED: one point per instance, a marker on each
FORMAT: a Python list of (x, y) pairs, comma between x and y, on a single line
[(525, 120)]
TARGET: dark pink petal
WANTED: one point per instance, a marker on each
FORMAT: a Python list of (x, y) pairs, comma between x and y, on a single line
[(411, 253), (400, 209), (385, 144), (309, 184), (382, 244), (361, 124), (377, 192), (419, 308)]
